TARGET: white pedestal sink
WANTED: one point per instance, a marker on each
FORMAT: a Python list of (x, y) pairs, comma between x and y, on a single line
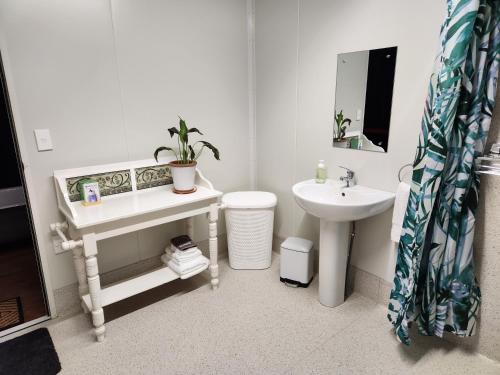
[(337, 206)]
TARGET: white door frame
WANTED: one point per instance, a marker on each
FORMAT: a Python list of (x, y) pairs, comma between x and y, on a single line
[(40, 227)]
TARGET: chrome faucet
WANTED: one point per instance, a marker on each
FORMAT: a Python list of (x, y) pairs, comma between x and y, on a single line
[(349, 178)]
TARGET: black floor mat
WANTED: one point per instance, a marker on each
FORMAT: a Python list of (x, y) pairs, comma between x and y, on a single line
[(29, 354)]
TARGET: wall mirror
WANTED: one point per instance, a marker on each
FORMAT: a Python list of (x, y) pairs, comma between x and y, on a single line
[(363, 99)]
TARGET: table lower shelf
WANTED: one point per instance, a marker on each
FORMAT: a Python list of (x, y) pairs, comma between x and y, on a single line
[(131, 287)]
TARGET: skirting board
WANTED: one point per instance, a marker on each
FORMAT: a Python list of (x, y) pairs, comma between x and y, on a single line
[(368, 285)]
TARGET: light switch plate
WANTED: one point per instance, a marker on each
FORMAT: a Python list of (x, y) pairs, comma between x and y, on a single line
[(43, 139)]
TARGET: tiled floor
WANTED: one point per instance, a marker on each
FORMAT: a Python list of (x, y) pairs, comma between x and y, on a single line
[(255, 325)]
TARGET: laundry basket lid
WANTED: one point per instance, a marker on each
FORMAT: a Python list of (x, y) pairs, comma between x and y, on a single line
[(249, 199)]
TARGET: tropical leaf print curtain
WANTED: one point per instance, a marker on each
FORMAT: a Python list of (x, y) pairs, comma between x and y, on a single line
[(434, 283)]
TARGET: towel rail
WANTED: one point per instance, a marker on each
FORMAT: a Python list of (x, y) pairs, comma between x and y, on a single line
[(485, 165), (401, 170), (66, 244)]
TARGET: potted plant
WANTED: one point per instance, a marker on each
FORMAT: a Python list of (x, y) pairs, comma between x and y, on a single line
[(184, 168), (340, 126)]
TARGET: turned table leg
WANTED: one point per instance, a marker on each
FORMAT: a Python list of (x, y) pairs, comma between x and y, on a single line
[(189, 225), (212, 243), (81, 274), (94, 283)]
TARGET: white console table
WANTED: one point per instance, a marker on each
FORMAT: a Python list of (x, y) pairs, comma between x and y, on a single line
[(128, 206)]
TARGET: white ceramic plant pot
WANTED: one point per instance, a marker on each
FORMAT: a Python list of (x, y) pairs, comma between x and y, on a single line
[(183, 176)]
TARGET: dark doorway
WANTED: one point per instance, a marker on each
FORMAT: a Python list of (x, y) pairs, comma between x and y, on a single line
[(22, 296), (379, 87)]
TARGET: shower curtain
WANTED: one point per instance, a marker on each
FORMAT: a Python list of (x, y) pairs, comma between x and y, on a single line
[(434, 283)]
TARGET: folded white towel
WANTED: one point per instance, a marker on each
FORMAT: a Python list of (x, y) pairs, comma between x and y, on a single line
[(187, 273), (174, 249), (183, 256), (186, 266), (398, 215), (195, 271), (184, 269)]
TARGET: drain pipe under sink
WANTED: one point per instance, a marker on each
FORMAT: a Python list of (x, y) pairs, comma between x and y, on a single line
[(351, 242)]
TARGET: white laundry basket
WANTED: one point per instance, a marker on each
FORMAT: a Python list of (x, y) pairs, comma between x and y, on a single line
[(249, 223)]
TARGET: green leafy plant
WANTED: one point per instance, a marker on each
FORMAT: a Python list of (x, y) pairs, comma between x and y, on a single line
[(341, 124), (187, 153)]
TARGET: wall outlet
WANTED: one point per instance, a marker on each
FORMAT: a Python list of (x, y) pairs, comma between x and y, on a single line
[(57, 245)]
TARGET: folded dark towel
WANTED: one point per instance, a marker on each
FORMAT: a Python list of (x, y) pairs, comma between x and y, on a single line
[(183, 242)]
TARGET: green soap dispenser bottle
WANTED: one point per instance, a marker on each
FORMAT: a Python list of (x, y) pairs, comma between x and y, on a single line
[(321, 172)]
